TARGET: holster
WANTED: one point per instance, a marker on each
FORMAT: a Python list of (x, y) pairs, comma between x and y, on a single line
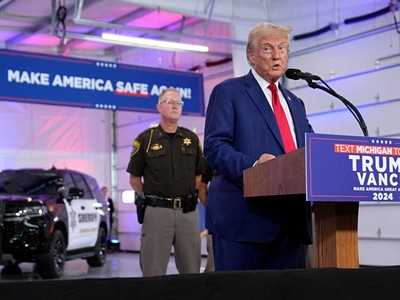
[(140, 202), (190, 202)]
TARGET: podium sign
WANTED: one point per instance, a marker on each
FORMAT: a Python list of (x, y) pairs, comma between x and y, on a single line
[(348, 168)]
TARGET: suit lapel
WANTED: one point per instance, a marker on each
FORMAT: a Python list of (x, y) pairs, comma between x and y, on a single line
[(258, 97)]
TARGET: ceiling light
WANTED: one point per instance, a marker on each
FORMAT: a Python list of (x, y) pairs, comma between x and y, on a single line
[(152, 44)]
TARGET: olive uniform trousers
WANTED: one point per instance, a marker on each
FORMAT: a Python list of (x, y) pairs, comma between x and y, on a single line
[(163, 228)]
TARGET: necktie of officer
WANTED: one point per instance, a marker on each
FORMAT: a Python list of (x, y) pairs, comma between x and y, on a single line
[(282, 120)]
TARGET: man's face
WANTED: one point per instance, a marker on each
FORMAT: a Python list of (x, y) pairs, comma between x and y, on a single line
[(268, 56), (170, 106)]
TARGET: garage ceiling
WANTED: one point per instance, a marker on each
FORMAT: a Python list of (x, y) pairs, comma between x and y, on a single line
[(74, 28)]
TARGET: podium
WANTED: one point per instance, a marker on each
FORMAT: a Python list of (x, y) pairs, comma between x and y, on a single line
[(336, 237)]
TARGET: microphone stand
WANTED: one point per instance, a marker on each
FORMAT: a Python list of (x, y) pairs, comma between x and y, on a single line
[(355, 112)]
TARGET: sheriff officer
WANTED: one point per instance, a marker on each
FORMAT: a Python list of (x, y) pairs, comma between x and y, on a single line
[(165, 170)]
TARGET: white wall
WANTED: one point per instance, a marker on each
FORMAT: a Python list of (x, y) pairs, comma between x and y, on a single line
[(43, 136)]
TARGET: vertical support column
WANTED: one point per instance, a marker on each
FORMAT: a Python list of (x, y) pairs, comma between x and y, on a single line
[(114, 172), (336, 234)]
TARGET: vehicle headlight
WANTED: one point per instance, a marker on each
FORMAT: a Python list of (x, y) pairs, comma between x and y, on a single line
[(31, 211)]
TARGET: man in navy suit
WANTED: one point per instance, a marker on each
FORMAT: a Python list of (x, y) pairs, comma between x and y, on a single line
[(241, 130)]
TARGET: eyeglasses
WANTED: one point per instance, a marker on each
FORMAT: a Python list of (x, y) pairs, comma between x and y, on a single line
[(170, 102)]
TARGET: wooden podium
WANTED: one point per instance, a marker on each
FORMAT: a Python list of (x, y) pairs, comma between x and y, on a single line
[(336, 238)]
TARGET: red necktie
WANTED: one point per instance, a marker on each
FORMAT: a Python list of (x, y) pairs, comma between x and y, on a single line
[(282, 120)]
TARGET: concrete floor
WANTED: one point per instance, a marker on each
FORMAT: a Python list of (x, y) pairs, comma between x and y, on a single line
[(118, 264)]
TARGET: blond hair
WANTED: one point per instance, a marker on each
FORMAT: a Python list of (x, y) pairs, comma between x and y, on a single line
[(265, 28)]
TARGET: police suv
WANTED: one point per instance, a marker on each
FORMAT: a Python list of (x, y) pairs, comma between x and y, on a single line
[(50, 216)]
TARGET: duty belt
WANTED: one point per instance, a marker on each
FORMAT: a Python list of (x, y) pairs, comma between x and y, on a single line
[(156, 201)]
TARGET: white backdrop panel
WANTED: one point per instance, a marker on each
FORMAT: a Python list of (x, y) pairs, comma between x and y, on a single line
[(42, 136), (379, 117)]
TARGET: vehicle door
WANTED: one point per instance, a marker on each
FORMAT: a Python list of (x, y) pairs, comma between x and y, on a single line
[(84, 219)]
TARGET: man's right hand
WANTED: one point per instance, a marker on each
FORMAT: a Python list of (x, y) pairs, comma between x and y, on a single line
[(265, 157)]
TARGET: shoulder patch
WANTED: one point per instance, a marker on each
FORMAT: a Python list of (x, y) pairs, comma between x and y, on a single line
[(135, 147)]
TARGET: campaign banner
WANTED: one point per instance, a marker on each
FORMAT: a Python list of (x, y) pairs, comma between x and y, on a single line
[(57, 80), (350, 168)]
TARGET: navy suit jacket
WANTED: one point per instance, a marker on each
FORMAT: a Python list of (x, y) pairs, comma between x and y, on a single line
[(240, 126)]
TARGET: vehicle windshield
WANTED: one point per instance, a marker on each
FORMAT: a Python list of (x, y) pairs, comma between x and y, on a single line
[(29, 182)]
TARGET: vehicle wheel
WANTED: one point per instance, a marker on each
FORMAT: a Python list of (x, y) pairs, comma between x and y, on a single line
[(51, 263), (99, 258)]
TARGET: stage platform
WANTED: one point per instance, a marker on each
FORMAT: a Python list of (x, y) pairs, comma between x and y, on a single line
[(120, 280)]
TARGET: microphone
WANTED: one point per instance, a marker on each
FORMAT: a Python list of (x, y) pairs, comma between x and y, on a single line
[(296, 74)]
